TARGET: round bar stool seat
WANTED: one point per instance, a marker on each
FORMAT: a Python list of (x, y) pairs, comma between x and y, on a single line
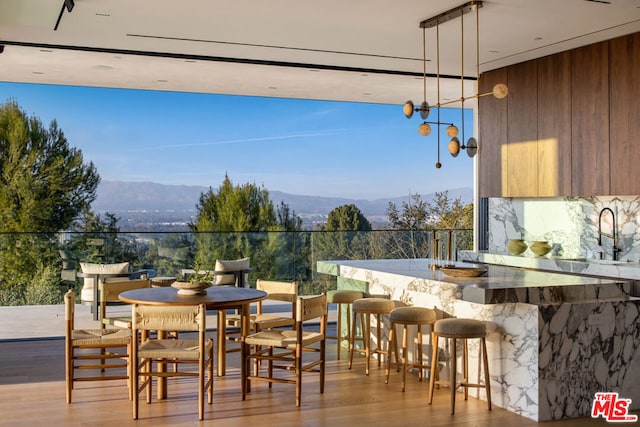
[(342, 297), (464, 329), (406, 316), (363, 309)]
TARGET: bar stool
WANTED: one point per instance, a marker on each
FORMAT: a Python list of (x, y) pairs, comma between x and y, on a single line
[(406, 316), (460, 329), (342, 298), (363, 309)]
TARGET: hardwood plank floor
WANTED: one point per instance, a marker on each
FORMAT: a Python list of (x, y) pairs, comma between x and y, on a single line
[(32, 394)]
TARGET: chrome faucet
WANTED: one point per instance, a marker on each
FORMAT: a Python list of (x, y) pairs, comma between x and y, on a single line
[(613, 234)]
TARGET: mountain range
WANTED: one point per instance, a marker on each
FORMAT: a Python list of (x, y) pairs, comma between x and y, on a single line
[(176, 202)]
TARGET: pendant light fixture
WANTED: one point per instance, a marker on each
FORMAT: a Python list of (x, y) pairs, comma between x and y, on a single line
[(499, 91), (424, 129)]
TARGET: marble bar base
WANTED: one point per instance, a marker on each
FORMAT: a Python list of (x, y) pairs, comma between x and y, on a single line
[(546, 360)]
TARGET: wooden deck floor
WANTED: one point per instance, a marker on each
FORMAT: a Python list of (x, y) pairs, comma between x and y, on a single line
[(32, 394)]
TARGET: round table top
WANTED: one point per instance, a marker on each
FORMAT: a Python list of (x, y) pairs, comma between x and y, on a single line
[(217, 297)]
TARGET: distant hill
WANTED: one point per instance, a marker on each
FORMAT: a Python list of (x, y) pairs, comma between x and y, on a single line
[(125, 196), (149, 206)]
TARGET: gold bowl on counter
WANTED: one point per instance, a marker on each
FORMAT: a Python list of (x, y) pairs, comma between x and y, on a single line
[(516, 246), (540, 247)]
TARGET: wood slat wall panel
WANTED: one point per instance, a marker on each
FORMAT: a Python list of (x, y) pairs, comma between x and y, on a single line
[(590, 120), (625, 114), (492, 129), (554, 125), (522, 132)]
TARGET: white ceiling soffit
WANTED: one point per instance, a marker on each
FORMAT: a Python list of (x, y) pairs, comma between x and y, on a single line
[(356, 50)]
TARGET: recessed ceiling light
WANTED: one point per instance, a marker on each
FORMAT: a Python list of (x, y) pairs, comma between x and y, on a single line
[(314, 71), (494, 51), (37, 72), (366, 94), (273, 87), (45, 50), (538, 38), (102, 67), (163, 81), (102, 14), (190, 60)]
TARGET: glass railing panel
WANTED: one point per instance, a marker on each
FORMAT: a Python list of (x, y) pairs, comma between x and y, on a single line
[(36, 269)]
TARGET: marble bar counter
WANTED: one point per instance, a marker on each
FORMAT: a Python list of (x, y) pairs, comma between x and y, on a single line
[(554, 340)]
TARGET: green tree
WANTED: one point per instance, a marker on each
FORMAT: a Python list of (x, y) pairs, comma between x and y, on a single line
[(345, 234), (414, 215), (450, 214), (237, 221), (98, 240), (44, 185), (417, 215), (347, 218)]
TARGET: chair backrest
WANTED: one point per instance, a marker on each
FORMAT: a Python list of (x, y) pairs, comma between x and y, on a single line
[(110, 288), (311, 307), (234, 267), (169, 317), (95, 270), (280, 291)]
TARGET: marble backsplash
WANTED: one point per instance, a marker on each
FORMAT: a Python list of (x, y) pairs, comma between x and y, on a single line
[(570, 224)]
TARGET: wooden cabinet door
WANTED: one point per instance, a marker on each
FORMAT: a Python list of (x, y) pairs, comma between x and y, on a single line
[(590, 120), (554, 125), (522, 132), (625, 114), (492, 137)]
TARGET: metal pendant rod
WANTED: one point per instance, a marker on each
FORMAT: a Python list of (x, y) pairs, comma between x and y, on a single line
[(424, 64), (438, 164), (462, 72)]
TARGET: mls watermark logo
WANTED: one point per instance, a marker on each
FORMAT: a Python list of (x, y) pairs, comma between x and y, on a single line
[(612, 408)]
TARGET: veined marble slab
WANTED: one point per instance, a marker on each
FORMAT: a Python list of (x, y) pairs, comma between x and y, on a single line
[(547, 360), (498, 285), (622, 270)]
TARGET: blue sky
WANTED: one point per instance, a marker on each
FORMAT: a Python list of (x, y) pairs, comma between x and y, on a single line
[(333, 149)]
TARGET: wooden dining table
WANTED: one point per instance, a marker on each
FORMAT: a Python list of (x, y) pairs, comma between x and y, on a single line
[(219, 298)]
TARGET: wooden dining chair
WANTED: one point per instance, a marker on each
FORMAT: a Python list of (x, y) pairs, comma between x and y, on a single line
[(81, 354), (150, 352), (110, 289), (284, 349), (286, 292)]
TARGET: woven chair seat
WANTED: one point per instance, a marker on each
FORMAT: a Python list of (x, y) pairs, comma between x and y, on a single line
[(283, 339), (265, 321), (101, 337)]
